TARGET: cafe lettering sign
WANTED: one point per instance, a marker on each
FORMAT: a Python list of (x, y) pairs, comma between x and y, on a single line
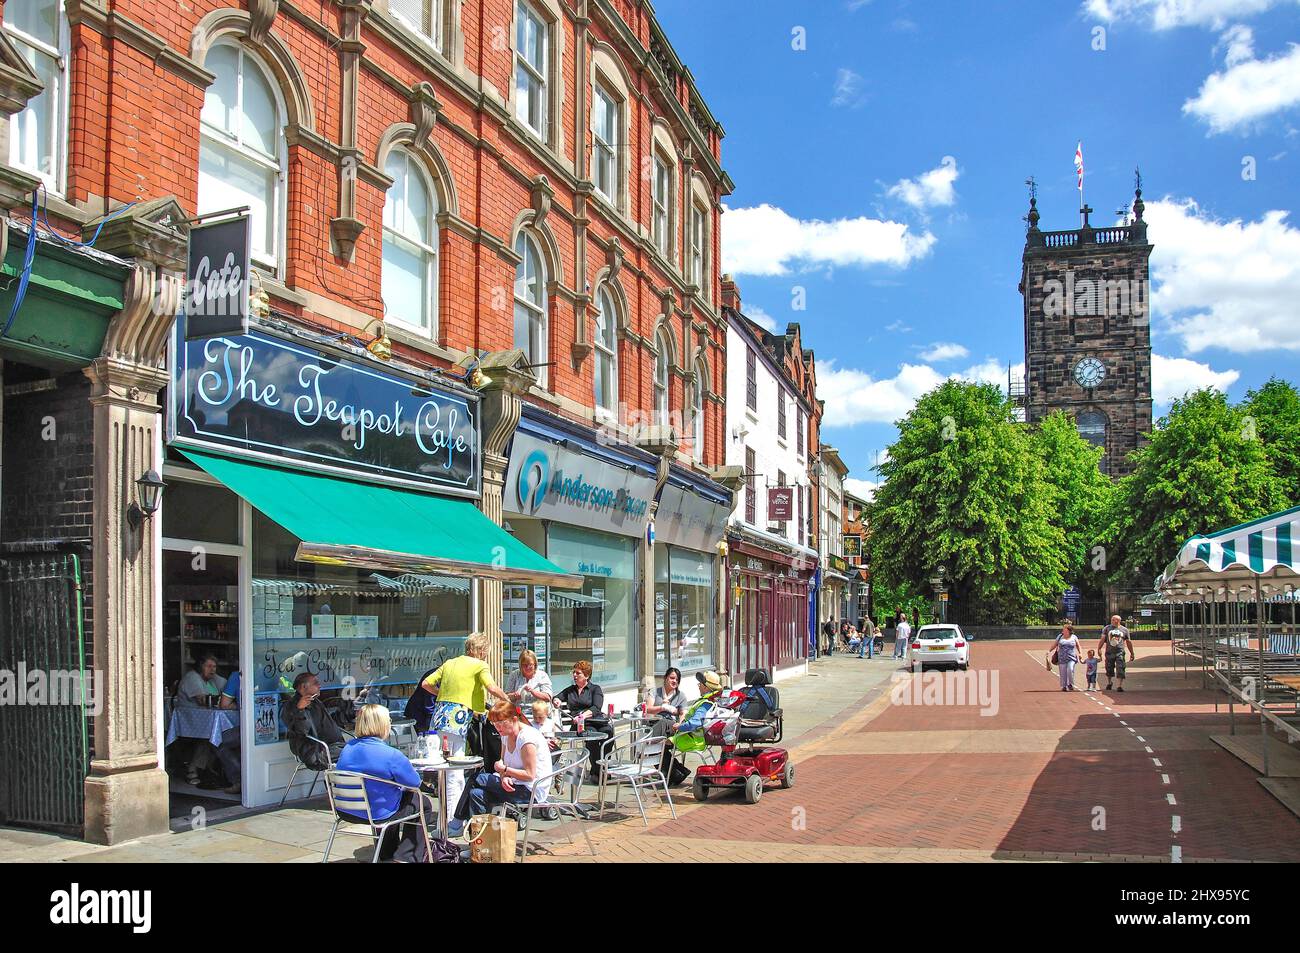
[(216, 287), (259, 396), (780, 503)]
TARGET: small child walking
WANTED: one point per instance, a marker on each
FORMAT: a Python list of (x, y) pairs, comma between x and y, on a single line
[(1091, 668)]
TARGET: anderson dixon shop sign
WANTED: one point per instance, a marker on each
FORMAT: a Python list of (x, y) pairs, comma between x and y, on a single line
[(547, 481), (260, 396)]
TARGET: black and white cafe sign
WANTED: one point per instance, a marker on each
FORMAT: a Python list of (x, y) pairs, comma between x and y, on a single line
[(256, 395), (217, 279)]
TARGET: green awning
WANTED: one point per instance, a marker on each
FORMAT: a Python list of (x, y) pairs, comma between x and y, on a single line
[(345, 523)]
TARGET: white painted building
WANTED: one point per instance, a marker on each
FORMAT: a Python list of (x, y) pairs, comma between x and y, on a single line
[(830, 546)]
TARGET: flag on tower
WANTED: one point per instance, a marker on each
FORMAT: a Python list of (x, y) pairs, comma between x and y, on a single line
[(1078, 164)]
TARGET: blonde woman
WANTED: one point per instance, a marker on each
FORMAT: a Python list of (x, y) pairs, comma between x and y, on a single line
[(528, 683), (461, 686), (370, 754)]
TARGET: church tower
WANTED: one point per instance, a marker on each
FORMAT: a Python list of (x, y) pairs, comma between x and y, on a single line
[(1087, 316)]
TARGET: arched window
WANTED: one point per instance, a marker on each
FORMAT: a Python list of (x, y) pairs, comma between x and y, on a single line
[(697, 409), (241, 148), (662, 359), (410, 275), (530, 305), (606, 369), (1092, 428), (39, 29)]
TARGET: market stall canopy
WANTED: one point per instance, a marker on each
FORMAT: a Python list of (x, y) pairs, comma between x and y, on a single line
[(346, 523), (1264, 551)]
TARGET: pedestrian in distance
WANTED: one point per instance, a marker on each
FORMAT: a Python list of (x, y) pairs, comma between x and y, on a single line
[(902, 633), (1114, 638), (1065, 652), (1091, 668)]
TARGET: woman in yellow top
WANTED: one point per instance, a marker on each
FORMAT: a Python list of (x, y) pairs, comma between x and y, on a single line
[(462, 685)]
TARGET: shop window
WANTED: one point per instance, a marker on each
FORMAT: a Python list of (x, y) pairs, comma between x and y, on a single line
[(597, 622), (684, 613), (200, 511), (37, 134), (354, 628), (410, 252)]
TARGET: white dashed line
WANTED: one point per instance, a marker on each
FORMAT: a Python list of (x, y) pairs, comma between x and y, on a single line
[(1164, 778), (1175, 855), (1123, 722), (1141, 739), (1170, 799), (1157, 762), (1149, 751), (1176, 824)]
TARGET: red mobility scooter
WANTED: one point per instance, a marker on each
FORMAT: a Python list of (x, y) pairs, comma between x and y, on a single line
[(750, 718)]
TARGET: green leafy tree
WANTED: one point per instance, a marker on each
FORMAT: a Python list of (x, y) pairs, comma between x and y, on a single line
[(1274, 413), (1079, 493), (965, 486), (1203, 469)]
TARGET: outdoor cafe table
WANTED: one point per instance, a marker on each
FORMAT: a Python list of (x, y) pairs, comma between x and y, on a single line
[(205, 723), (441, 768)]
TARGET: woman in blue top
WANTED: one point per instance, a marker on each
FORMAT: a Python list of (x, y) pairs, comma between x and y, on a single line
[(369, 753), (1067, 653)]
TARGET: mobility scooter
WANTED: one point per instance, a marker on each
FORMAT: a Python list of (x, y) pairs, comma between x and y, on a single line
[(750, 717)]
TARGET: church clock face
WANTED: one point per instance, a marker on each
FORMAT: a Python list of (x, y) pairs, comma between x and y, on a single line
[(1089, 372)]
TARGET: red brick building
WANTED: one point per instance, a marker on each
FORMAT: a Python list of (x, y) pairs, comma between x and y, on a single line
[(528, 188)]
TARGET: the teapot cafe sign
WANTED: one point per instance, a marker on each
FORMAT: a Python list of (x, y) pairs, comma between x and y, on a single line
[(259, 396)]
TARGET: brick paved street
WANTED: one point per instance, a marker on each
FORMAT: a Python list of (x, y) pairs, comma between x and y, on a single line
[(1049, 776)]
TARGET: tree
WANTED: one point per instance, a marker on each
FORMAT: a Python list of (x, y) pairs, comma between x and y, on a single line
[(1274, 412), (1079, 493), (1204, 469), (965, 486)]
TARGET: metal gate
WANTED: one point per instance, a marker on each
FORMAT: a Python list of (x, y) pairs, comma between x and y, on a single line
[(44, 690)]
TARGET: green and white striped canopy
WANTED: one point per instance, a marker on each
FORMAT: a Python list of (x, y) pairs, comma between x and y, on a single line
[(1266, 550)]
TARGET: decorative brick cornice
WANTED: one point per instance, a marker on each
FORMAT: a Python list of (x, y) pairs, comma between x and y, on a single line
[(115, 26)]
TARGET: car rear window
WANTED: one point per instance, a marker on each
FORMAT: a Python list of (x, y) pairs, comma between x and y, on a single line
[(933, 634)]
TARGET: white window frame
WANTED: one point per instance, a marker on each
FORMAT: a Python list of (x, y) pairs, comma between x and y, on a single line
[(697, 238), (606, 352), (662, 379), (697, 412), (435, 33), (605, 154), (53, 178), (221, 139), (661, 205), (538, 329), (526, 11), (428, 250)]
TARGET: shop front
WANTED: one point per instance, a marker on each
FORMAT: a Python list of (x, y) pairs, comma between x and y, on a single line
[(585, 506), (319, 518), (690, 523), (768, 608)]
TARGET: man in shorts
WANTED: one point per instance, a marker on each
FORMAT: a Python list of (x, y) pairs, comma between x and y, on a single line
[(1114, 638)]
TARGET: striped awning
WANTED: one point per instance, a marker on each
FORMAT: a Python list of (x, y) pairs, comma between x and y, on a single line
[(1264, 551)]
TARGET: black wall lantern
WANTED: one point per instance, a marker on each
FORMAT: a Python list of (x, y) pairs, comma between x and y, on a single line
[(150, 487)]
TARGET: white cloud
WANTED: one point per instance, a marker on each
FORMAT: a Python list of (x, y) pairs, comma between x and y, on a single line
[(1167, 14), (761, 318), (850, 89), (898, 326), (929, 189), (766, 240), (1248, 89), (943, 351), (1233, 285), (1172, 377), (862, 489), (855, 397)]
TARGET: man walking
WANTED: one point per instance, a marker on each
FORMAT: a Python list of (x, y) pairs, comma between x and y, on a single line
[(902, 633), (1114, 638)]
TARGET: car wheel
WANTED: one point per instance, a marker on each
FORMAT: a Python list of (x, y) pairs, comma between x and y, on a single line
[(964, 666), (700, 790), (787, 775), (753, 788)]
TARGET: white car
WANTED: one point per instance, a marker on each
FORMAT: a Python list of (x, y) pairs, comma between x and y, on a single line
[(938, 645)]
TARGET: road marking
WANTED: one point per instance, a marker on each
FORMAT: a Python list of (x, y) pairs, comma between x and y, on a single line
[(1123, 722), (1175, 855), (1176, 824), (1134, 730), (1164, 778), (1157, 762), (1141, 739), (1170, 799), (1149, 751)]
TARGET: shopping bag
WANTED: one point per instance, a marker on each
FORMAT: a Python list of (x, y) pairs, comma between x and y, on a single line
[(492, 839)]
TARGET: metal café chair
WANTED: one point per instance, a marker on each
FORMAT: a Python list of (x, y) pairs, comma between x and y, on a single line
[(644, 771), (300, 766), (347, 793), (570, 765), (618, 751)]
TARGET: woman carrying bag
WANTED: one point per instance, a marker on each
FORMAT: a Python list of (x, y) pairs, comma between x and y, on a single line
[(1064, 653)]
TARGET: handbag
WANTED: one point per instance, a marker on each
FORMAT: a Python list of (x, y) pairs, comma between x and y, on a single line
[(677, 773), (443, 851), (1056, 657), (492, 839)]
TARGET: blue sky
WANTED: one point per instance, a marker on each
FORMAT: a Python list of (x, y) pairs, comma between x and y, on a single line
[(880, 176)]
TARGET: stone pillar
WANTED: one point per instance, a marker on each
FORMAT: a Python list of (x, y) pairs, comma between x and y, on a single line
[(501, 377), (661, 440), (126, 790)]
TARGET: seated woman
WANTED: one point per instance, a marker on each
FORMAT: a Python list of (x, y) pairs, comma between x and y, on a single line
[(369, 753), (528, 683), (585, 701), (524, 758), (200, 688), (670, 705)]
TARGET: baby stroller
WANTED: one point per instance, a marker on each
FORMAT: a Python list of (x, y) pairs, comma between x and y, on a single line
[(750, 717)]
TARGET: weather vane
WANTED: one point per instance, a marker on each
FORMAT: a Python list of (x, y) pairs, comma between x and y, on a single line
[(1137, 179), (1033, 189)]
